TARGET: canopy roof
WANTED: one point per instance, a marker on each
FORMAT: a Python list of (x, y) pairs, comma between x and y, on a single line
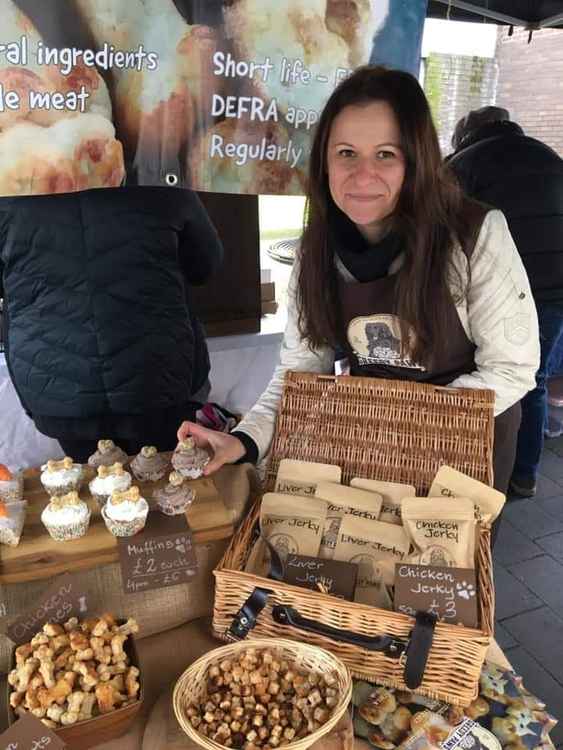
[(533, 14)]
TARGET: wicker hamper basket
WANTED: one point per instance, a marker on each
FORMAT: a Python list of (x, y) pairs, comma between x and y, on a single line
[(393, 431)]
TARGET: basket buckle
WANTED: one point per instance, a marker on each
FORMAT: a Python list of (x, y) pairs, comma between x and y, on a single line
[(397, 650), (245, 618), (403, 656)]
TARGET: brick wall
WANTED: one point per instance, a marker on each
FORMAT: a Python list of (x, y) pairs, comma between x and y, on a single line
[(530, 83), (454, 85)]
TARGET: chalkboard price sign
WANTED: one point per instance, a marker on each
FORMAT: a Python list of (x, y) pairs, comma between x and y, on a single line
[(65, 598), (28, 733), (159, 556), (449, 593), (329, 576)]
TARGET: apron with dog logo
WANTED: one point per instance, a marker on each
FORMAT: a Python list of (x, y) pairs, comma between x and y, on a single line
[(372, 339)]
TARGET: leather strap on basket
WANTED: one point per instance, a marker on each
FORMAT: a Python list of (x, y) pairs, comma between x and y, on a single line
[(245, 618), (418, 649), (390, 646)]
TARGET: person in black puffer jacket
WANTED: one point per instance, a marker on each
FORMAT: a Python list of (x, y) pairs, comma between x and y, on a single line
[(498, 164), (100, 339)]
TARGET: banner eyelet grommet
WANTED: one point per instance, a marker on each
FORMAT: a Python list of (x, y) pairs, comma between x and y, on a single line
[(171, 179)]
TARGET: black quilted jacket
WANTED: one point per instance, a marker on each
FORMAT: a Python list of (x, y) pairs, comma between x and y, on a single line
[(499, 165), (96, 299)]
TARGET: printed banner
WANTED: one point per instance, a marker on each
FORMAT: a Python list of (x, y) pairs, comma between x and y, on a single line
[(217, 95)]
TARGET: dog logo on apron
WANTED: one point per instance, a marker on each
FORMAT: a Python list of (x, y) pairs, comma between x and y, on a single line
[(376, 340)]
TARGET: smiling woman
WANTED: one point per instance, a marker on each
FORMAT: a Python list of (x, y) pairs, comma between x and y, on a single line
[(396, 269)]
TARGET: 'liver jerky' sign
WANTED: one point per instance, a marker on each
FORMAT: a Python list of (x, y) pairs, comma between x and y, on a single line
[(329, 576)]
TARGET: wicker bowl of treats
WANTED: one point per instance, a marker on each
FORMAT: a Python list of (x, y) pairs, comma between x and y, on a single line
[(262, 694)]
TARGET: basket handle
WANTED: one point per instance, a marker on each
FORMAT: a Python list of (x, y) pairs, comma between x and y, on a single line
[(393, 647), (415, 650)]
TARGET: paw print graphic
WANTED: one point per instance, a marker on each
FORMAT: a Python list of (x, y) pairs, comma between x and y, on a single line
[(465, 590)]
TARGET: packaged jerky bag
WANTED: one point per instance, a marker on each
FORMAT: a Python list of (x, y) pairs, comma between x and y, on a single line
[(291, 525), (392, 494), (301, 477), (374, 546), (344, 501), (488, 502), (442, 530)]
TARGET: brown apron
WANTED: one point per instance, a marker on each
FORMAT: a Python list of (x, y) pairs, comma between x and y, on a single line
[(372, 339)]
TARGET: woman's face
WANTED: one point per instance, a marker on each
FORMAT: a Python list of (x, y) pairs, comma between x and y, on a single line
[(366, 165)]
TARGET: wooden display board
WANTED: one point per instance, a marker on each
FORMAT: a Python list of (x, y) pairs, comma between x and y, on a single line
[(38, 556)]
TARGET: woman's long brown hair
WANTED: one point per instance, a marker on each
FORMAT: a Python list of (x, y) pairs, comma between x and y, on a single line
[(431, 216)]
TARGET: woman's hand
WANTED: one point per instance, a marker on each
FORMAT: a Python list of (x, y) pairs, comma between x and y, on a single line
[(226, 449)]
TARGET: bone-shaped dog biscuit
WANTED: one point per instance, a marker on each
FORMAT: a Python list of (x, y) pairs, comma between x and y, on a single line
[(132, 495), (148, 451), (176, 479), (65, 463), (105, 446), (187, 445), (65, 501), (106, 471)]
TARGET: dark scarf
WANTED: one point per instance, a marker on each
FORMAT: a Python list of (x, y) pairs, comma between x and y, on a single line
[(366, 262)]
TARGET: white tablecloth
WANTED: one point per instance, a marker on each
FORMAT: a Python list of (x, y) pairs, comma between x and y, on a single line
[(21, 445), (241, 367)]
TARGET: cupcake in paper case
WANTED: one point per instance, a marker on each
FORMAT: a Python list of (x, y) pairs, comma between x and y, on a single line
[(11, 485), (125, 513), (189, 460), (108, 453), (176, 497), (149, 465), (66, 517), (12, 518), (109, 479), (61, 477)]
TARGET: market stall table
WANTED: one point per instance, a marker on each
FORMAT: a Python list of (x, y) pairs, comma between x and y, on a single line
[(38, 556)]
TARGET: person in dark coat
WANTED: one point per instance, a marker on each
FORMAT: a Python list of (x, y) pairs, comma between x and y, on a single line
[(100, 339), (498, 164)]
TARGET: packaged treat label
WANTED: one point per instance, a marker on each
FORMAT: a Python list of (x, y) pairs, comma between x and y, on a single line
[(344, 501), (373, 546), (301, 477), (450, 593), (65, 598), (29, 733), (449, 482), (392, 494), (441, 529), (469, 735), (328, 576), (161, 555)]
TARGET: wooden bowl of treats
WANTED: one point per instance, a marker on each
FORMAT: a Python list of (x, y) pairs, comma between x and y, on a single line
[(262, 692), (81, 679)]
